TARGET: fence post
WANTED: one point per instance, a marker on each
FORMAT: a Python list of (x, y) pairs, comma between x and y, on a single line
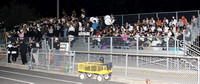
[(52, 43), (111, 48), (175, 46), (177, 63), (137, 59), (198, 73), (126, 71), (49, 59), (31, 58), (6, 52), (167, 45), (138, 16), (157, 15), (184, 42), (167, 61), (177, 17), (69, 47), (88, 49), (178, 47), (73, 62), (137, 44), (37, 59)]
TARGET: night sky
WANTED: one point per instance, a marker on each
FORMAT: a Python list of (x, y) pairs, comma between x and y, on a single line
[(47, 8)]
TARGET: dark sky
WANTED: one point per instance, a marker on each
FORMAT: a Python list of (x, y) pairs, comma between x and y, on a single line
[(47, 8)]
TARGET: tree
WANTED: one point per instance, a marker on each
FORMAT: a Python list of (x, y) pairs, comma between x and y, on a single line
[(15, 14)]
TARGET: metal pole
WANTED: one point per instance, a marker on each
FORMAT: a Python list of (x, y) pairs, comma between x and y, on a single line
[(30, 66), (49, 59), (137, 58), (178, 48), (156, 15), (126, 65), (175, 46), (138, 16), (58, 9), (111, 48), (52, 43), (177, 63), (167, 61), (37, 59), (137, 44), (73, 62), (69, 47), (88, 49), (6, 52), (198, 77), (122, 20), (184, 42), (167, 45), (199, 17)]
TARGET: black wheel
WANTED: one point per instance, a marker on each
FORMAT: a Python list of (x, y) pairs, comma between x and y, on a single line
[(107, 77), (90, 75), (100, 78), (82, 76)]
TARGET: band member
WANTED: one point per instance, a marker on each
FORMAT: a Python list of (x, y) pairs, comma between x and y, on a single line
[(34, 55), (23, 51), (15, 51), (9, 46)]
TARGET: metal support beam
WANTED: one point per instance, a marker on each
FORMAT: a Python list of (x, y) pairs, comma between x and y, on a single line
[(88, 49), (58, 4), (126, 71)]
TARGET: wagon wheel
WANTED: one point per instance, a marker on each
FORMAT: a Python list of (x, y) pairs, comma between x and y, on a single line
[(82, 76), (100, 78), (89, 75), (107, 77)]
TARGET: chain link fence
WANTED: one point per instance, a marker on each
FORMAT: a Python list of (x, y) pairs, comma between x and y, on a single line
[(165, 68)]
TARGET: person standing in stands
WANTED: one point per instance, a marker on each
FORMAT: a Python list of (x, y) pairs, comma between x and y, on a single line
[(23, 51), (56, 47), (94, 26), (9, 47), (15, 51)]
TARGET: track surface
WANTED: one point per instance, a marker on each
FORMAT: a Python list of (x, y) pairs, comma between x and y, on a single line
[(19, 76)]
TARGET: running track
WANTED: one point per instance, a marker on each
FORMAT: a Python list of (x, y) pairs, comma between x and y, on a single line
[(20, 76)]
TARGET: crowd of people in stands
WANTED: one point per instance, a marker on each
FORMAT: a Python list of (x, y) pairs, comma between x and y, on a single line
[(66, 26), (71, 26)]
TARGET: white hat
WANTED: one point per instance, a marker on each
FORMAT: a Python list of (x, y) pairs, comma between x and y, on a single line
[(56, 38)]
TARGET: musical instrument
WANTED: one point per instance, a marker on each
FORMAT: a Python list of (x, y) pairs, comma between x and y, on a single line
[(93, 18), (108, 20)]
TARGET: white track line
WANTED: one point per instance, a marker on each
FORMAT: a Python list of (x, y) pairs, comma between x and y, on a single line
[(41, 77), (16, 80)]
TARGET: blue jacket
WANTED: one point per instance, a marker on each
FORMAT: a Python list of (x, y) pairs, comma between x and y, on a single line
[(94, 26)]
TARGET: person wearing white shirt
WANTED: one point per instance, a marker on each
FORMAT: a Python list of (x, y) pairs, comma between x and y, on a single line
[(175, 21), (169, 33), (145, 28), (153, 28), (153, 20), (166, 28), (193, 18), (130, 28), (159, 29)]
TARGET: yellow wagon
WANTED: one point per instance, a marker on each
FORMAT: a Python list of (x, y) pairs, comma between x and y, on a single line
[(88, 69)]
